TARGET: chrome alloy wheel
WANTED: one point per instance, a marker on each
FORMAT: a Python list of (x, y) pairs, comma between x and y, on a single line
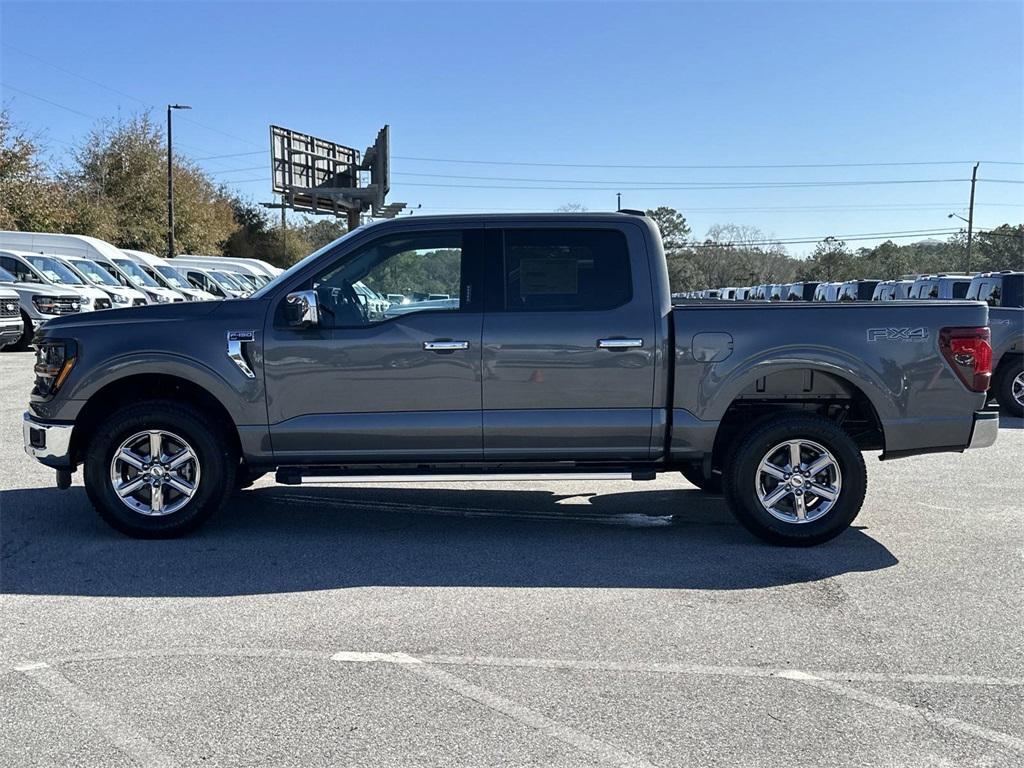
[(798, 481), (1017, 389), (154, 473)]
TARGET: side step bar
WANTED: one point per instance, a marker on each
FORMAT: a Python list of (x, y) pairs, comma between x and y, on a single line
[(294, 477)]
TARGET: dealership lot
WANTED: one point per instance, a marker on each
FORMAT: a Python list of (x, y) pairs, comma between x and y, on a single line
[(549, 624)]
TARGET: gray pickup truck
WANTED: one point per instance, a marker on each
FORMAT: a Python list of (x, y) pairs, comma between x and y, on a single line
[(559, 350), (1004, 294)]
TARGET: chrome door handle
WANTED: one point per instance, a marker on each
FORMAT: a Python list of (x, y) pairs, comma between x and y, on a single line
[(620, 343), (444, 346)]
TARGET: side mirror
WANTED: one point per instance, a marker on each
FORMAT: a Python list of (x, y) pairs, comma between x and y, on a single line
[(300, 309)]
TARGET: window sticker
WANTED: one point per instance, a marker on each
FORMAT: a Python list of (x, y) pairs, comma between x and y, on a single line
[(540, 277)]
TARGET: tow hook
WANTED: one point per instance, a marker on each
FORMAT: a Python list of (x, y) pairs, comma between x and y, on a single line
[(63, 479)]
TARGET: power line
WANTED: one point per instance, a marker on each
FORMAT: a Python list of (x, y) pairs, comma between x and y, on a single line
[(233, 154), (709, 186), (136, 99), (701, 167), (696, 184), (48, 101)]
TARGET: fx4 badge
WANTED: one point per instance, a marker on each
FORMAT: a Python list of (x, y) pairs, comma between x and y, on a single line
[(897, 334)]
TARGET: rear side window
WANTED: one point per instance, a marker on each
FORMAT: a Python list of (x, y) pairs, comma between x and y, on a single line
[(565, 270), (960, 289)]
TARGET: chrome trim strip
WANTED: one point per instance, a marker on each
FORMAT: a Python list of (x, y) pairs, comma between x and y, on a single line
[(58, 438), (620, 343), (235, 353), (986, 429), (444, 346)]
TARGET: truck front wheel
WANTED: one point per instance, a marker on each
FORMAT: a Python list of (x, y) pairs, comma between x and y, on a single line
[(796, 479), (157, 469)]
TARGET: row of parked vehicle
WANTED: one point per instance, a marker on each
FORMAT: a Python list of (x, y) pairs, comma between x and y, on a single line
[(45, 275), (940, 286), (1002, 291)]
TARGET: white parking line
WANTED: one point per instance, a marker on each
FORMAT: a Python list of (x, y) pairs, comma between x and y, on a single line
[(822, 680), (602, 751), (106, 721)]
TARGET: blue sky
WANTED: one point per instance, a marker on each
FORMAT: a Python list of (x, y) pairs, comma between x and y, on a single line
[(643, 84)]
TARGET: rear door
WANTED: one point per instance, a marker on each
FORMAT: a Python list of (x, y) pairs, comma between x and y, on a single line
[(568, 344)]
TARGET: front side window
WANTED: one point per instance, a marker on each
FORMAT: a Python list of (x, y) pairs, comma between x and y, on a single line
[(573, 270), (428, 269), (21, 273)]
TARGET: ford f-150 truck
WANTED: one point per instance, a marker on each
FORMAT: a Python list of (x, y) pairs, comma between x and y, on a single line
[(559, 351)]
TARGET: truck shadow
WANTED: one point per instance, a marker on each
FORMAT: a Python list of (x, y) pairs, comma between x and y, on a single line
[(279, 539)]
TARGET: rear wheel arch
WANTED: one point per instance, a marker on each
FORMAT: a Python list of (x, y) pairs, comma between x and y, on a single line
[(829, 395)]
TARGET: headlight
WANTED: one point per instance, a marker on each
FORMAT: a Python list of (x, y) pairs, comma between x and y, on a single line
[(46, 304), (86, 300), (54, 361), (157, 297), (120, 298)]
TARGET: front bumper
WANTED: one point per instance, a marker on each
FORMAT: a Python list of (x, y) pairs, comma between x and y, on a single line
[(985, 430), (50, 443), (10, 333)]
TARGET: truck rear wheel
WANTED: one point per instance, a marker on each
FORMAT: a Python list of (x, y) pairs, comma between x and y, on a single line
[(796, 479), (1010, 388), (158, 469)]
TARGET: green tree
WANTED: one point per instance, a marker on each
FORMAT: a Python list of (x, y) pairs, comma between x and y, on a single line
[(672, 225), (119, 180), (830, 261), (29, 198)]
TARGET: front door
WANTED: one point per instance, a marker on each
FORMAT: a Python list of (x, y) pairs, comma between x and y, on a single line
[(379, 379), (568, 346)]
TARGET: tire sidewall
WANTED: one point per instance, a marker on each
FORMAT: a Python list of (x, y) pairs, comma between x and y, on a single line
[(1004, 392), (747, 506), (216, 469)]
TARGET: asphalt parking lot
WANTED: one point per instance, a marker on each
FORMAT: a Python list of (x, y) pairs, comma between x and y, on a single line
[(547, 624)]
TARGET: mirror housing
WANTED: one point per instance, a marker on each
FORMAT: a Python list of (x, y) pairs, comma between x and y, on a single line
[(300, 309)]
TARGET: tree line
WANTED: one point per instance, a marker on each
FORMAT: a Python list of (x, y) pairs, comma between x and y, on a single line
[(113, 186), (735, 255)]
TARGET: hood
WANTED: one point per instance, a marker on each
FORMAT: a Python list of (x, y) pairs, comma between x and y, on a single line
[(28, 290), (151, 313), (84, 290), (159, 290)]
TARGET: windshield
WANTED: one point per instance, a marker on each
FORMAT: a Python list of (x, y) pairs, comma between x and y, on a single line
[(135, 273), (227, 280), (174, 278), (302, 263), (93, 272), (5, 276), (54, 271)]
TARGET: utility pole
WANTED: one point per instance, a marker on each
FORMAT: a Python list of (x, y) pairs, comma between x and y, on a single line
[(353, 219), (970, 216), (170, 181), (284, 230)]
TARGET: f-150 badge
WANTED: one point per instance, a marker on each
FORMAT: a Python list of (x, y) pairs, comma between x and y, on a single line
[(897, 334)]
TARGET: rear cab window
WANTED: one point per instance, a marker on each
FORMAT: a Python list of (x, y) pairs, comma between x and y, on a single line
[(552, 270)]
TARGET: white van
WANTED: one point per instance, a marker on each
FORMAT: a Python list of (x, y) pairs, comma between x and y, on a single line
[(164, 273), (99, 251), (255, 267), (43, 269), (95, 275)]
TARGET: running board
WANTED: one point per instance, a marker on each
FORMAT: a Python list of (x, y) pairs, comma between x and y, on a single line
[(291, 477)]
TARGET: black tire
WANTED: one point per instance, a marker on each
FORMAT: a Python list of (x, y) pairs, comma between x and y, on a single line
[(1004, 387), (216, 459), (695, 475), (25, 339), (741, 474)]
